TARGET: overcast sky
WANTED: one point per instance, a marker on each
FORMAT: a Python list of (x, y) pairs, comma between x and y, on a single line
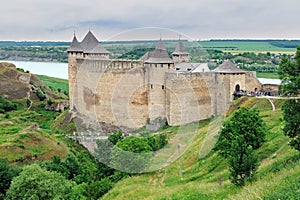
[(56, 20)]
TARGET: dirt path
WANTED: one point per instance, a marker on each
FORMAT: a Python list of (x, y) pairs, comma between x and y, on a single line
[(273, 105), (271, 97), (28, 98)]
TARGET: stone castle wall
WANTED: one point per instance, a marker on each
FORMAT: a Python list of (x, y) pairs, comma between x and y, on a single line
[(114, 92), (125, 94), (252, 82), (194, 96)]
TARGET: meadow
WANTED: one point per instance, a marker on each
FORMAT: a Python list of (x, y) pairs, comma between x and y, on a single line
[(240, 46), (55, 83), (207, 176)]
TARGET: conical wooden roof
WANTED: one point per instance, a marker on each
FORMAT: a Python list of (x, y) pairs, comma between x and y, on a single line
[(75, 46), (180, 49), (228, 67), (159, 55), (89, 44), (99, 49)]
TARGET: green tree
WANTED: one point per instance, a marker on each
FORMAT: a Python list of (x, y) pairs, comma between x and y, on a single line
[(88, 169), (243, 122), (242, 162), (103, 151), (291, 115), (80, 192), (98, 188), (131, 155), (289, 73), (37, 183), (57, 165), (157, 142), (115, 137), (241, 135), (7, 173)]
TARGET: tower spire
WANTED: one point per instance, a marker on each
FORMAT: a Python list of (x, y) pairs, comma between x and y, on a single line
[(180, 54)]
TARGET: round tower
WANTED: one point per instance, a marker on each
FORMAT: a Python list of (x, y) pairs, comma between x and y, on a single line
[(157, 64), (89, 48), (74, 51), (180, 54)]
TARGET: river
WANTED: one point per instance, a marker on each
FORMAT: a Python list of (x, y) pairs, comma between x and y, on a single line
[(58, 70)]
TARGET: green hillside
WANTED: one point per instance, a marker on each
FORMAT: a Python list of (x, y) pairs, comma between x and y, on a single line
[(208, 178), (247, 46), (26, 134), (37, 160), (31, 133), (57, 84)]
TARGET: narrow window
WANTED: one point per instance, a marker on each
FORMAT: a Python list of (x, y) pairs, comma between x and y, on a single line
[(151, 86), (163, 87)]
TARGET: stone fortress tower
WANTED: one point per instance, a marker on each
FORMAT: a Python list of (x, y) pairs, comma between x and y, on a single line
[(180, 55), (88, 48), (129, 94)]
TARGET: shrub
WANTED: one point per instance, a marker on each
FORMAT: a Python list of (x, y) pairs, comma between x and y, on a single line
[(157, 142), (131, 155), (6, 105), (98, 188), (40, 95), (7, 173), (115, 137), (50, 101), (37, 183)]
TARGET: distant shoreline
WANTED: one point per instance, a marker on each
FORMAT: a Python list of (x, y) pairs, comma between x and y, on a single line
[(52, 69)]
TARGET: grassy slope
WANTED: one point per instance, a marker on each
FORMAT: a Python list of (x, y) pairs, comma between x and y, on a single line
[(248, 46), (21, 141), (267, 75), (207, 178), (27, 134), (55, 83)]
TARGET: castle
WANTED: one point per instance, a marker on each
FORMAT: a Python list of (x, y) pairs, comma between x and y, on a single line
[(152, 91)]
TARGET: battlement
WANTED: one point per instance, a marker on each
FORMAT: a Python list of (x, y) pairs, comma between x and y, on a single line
[(128, 93), (101, 65), (175, 75)]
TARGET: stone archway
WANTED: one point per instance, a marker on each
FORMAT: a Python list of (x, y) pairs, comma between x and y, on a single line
[(237, 88)]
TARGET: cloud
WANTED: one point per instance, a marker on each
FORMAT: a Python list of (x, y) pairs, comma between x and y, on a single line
[(57, 19)]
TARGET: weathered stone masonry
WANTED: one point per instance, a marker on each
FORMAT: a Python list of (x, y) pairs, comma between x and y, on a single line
[(128, 94)]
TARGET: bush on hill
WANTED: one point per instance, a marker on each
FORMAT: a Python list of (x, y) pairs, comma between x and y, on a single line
[(6, 105)]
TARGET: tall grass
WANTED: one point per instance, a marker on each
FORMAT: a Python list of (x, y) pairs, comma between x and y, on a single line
[(207, 177)]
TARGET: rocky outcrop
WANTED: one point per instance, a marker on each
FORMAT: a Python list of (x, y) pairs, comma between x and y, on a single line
[(25, 78), (57, 105), (13, 84)]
